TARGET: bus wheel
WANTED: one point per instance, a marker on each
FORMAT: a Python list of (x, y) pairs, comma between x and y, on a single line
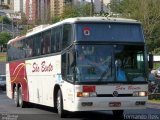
[(118, 114), (21, 102), (16, 97), (60, 110)]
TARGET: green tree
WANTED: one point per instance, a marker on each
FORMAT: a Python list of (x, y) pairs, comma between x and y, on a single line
[(70, 11), (85, 10), (4, 37), (56, 19), (23, 19), (146, 11), (5, 20)]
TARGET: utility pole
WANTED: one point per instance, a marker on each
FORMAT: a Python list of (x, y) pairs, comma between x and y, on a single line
[(92, 8), (102, 10), (2, 24), (12, 28)]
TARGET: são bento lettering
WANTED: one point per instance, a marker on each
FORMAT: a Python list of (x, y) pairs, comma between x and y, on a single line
[(43, 67)]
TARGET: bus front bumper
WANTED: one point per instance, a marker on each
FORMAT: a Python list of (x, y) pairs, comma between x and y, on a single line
[(116, 103)]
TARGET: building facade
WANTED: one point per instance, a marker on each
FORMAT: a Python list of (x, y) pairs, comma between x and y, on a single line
[(18, 5), (56, 7), (11, 4), (38, 10), (101, 6), (24, 6)]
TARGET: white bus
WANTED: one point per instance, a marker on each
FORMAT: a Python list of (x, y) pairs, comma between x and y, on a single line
[(43, 66)]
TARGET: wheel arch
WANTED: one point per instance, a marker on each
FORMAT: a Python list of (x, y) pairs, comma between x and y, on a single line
[(18, 85), (55, 91), (14, 85)]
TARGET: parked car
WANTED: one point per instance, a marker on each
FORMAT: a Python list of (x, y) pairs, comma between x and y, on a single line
[(2, 82), (157, 72)]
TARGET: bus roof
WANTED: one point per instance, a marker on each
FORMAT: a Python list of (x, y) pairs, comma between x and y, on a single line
[(79, 19), (100, 19), (16, 39)]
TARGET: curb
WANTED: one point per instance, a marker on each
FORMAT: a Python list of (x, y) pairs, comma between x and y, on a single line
[(153, 105)]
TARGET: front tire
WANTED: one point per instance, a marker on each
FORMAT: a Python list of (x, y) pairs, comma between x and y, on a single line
[(22, 103), (60, 110), (16, 96)]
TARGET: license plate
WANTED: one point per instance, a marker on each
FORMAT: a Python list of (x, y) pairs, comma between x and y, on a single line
[(114, 104)]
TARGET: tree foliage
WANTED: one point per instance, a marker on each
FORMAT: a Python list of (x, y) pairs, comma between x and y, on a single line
[(4, 38), (147, 12), (5, 20), (23, 19), (76, 11), (55, 19)]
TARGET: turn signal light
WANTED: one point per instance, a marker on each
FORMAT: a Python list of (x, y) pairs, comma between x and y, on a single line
[(86, 94)]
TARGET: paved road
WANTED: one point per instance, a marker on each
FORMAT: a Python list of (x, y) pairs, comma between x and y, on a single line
[(8, 111)]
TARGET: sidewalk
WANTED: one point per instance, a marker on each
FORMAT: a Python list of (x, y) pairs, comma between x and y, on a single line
[(152, 104)]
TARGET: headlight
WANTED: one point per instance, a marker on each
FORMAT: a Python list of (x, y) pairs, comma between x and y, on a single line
[(139, 93), (86, 94)]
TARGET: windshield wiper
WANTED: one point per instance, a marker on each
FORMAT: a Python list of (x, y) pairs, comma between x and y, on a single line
[(104, 74)]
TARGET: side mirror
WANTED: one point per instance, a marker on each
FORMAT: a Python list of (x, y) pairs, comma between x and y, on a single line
[(150, 62)]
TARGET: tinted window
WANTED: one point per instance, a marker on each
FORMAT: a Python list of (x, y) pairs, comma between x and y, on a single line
[(109, 32), (37, 45), (64, 65), (67, 32), (46, 42), (16, 47), (56, 39), (28, 46), (110, 63), (53, 41)]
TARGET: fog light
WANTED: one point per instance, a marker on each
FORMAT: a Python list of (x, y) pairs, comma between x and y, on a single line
[(140, 103)]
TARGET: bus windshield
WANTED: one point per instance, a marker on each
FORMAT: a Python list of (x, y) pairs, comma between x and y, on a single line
[(110, 63)]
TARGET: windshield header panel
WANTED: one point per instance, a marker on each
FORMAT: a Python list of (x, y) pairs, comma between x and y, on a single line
[(109, 31)]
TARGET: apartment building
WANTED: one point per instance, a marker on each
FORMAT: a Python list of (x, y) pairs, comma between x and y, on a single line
[(24, 6), (1, 2), (18, 5), (100, 6), (38, 10), (11, 4), (6, 2), (57, 6)]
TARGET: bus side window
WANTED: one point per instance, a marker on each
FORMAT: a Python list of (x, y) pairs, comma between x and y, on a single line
[(67, 31), (11, 51), (46, 39), (37, 45), (63, 67), (70, 66), (58, 38), (53, 40), (29, 47), (21, 52)]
